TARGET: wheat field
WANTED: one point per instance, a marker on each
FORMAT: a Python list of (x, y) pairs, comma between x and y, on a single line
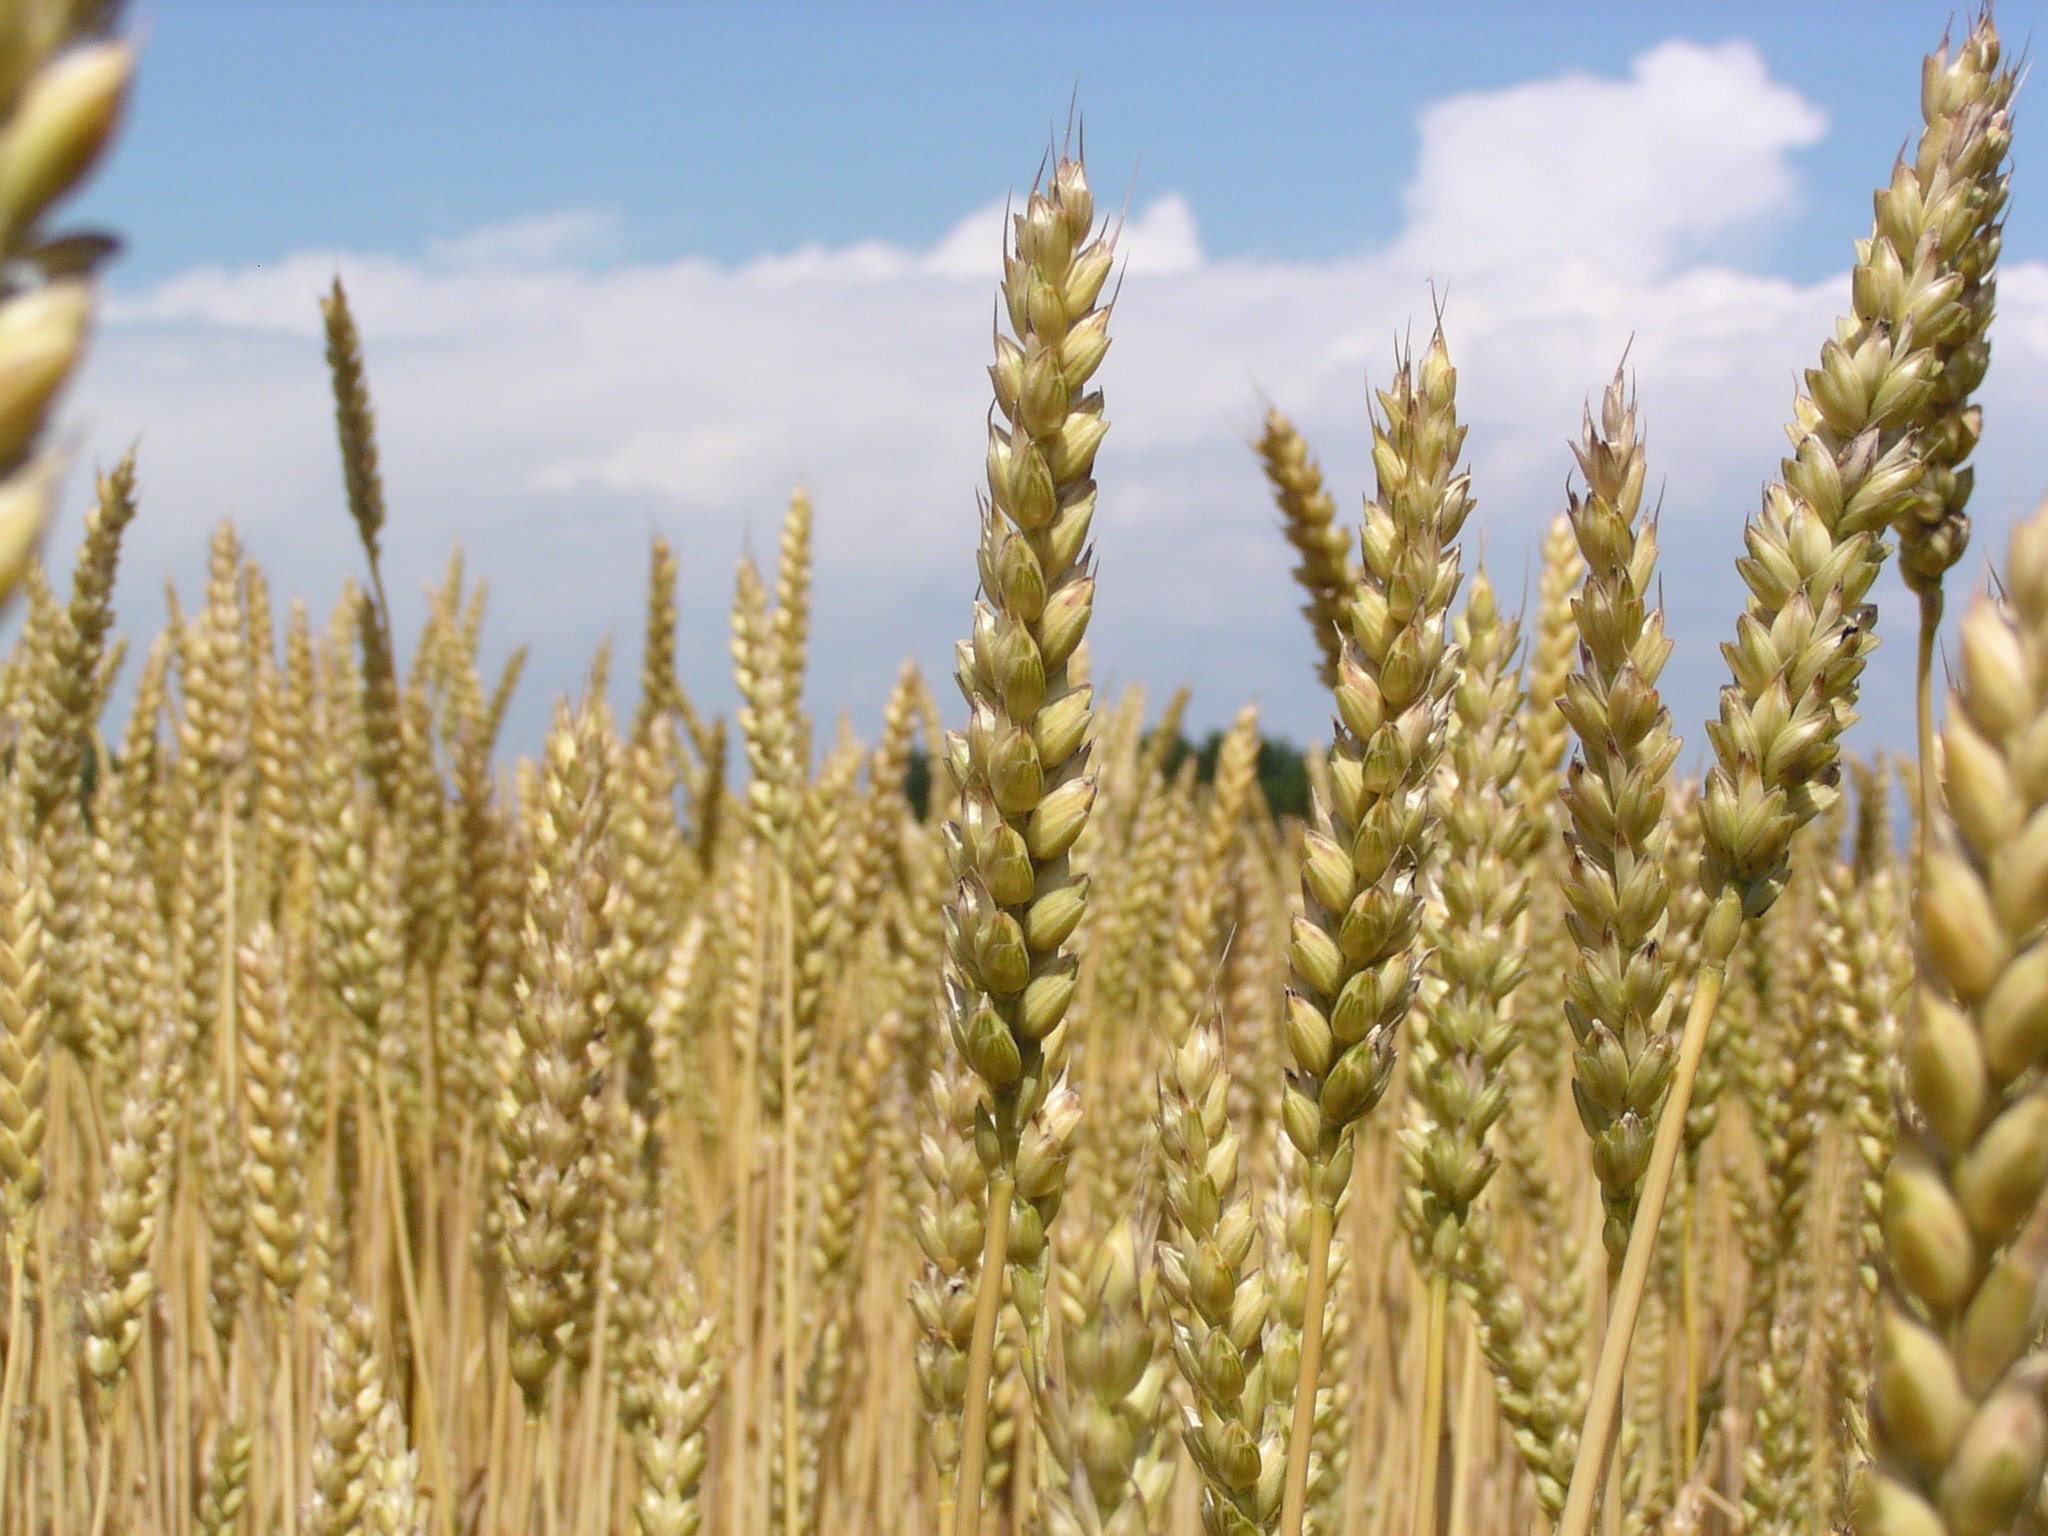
[(1022, 1121)]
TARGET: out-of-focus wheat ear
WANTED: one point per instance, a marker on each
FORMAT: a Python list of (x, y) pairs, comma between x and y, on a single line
[(849, 1156), (1164, 741), (1802, 1067), (62, 699), (24, 1028), (224, 1490), (949, 1218), (791, 621), (1021, 767), (1945, 208), (356, 425), (212, 731), (647, 852), (1880, 961), (659, 690), (1194, 948), (1216, 1300), (633, 1252), (1531, 1381), (669, 1441), (1104, 1425), (273, 1101), (142, 1139), (1308, 516), (1958, 1420), (1356, 952), (352, 1399), (879, 813), (550, 1204), (224, 1203), (1217, 1297), (63, 85), (363, 480), (114, 1029), (766, 720), (46, 684), (1457, 1083), (394, 1504), (1553, 651), (820, 918)]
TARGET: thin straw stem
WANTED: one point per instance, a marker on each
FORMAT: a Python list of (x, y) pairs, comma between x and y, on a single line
[(1301, 1433)]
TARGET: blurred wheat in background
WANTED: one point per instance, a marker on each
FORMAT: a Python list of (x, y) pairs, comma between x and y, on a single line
[(1041, 1125)]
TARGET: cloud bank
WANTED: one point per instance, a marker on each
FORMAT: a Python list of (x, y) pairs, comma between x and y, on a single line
[(548, 407)]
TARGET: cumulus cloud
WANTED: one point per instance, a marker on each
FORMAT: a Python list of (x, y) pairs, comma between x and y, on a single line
[(549, 410), (1622, 175)]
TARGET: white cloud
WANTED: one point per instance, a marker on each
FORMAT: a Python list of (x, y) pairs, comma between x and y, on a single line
[(548, 411), (1621, 175), (542, 238)]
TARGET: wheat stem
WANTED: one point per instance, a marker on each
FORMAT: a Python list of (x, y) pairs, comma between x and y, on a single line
[(981, 1352), (1429, 1444), (1931, 604), (1301, 1433)]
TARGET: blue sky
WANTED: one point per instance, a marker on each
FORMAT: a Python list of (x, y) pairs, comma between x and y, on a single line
[(626, 266), (728, 130)]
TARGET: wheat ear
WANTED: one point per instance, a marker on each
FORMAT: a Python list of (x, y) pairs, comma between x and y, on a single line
[(1458, 1087), (1104, 1429), (1618, 996), (1217, 1299), (1354, 951), (549, 1206), (1021, 767), (1947, 205), (1308, 516), (63, 85), (1959, 1424)]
